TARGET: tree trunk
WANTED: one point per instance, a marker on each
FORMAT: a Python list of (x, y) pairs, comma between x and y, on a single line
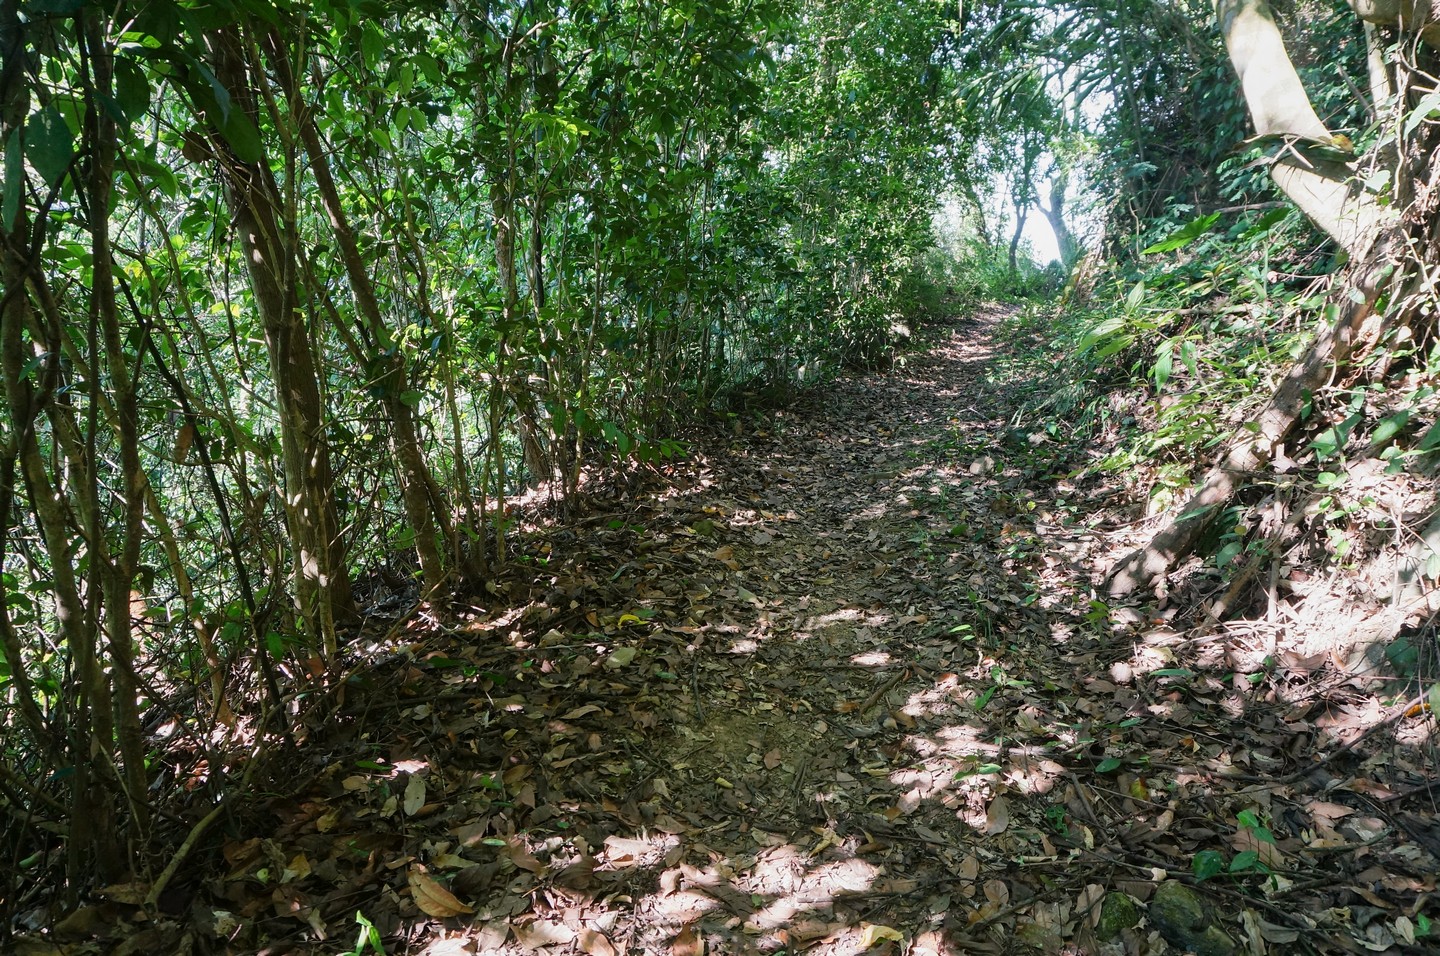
[(1055, 215), (415, 480), (322, 581), (1324, 190), (119, 571), (92, 844), (1262, 438), (1022, 213)]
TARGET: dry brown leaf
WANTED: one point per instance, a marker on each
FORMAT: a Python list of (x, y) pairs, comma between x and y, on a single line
[(544, 932), (297, 869), (997, 892), (997, 817), (132, 893), (523, 858), (414, 795), (596, 944), (432, 898), (457, 946), (874, 933), (1088, 902), (687, 943), (969, 867)]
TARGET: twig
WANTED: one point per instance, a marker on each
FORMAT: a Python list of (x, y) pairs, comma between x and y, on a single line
[(198, 830), (167, 874), (880, 692)]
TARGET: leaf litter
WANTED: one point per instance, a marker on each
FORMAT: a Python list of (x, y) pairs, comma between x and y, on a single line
[(838, 683)]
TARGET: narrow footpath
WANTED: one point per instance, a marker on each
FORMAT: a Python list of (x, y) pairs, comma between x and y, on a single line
[(840, 686)]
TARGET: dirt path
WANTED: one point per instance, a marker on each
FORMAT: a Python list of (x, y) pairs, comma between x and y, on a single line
[(840, 687)]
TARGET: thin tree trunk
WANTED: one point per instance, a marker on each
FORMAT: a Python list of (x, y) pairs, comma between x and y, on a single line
[(120, 571), (322, 582), (91, 843), (1258, 443), (415, 481)]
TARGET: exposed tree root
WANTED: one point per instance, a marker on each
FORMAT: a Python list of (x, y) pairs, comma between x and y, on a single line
[(1262, 438)]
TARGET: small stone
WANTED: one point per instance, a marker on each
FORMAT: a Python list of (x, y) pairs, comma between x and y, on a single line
[(1118, 912), (1185, 920)]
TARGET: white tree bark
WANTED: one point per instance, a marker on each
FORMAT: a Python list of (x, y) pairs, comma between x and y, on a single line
[(1416, 15), (1279, 106)]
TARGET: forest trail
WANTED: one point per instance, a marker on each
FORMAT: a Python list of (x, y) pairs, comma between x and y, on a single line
[(839, 687)]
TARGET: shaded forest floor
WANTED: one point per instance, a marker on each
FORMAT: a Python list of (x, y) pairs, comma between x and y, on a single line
[(839, 685)]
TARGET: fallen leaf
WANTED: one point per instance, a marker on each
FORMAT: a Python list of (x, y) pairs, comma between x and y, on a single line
[(997, 892), (132, 893), (1088, 902), (997, 817), (596, 944), (432, 898), (874, 933), (620, 657), (686, 943), (414, 795), (544, 933)]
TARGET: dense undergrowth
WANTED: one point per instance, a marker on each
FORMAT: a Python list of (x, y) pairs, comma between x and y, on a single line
[(1172, 355)]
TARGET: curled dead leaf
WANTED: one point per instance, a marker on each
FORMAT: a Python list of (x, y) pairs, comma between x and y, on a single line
[(874, 933), (432, 898), (687, 943)]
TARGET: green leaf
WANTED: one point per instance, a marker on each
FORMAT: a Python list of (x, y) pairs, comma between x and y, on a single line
[(984, 768), (161, 176), (1136, 296), (132, 89), (49, 144), (1164, 365), (1109, 764), (1207, 863), (369, 936), (1194, 513), (1185, 235), (1431, 438), (1120, 342), (372, 44), (1244, 862), (1187, 356), (1267, 222), (1389, 427), (1101, 331), (240, 132), (1428, 105)]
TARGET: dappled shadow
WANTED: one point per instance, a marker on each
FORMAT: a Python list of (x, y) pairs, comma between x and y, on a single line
[(842, 687)]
